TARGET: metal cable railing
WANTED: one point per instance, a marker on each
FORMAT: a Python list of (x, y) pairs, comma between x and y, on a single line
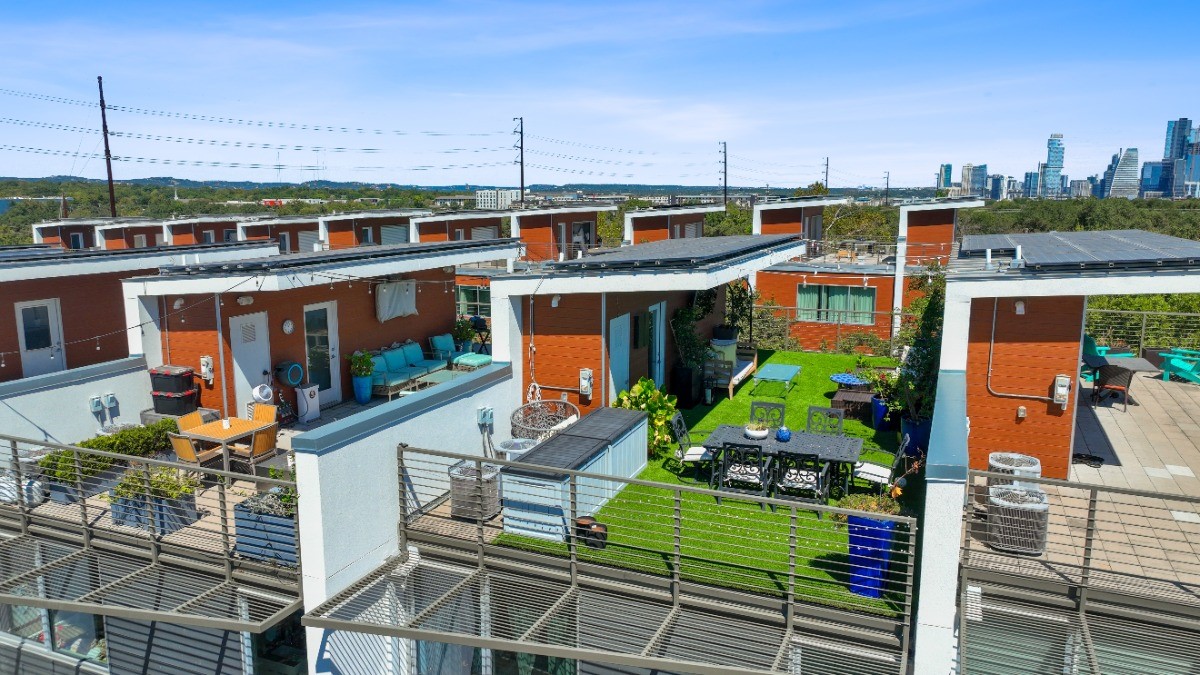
[(683, 535), (1137, 331), (155, 504)]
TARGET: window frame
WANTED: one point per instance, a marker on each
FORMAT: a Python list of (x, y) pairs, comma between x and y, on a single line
[(74, 237), (476, 306), (823, 313)]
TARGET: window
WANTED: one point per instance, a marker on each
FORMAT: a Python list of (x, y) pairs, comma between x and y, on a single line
[(158, 239), (76, 633), (139, 241), (474, 301), (24, 622), (229, 235), (207, 237), (367, 237), (835, 304), (77, 240), (285, 242)]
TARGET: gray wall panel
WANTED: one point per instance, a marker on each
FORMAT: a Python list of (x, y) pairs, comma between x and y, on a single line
[(157, 648)]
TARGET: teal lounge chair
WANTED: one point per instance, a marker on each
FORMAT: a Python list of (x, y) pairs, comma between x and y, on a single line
[(1183, 367), (1090, 348)]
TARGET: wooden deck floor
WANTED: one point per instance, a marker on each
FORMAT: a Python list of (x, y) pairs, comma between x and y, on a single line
[(1155, 445)]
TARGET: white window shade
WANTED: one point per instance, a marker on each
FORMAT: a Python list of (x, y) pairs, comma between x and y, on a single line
[(396, 298)]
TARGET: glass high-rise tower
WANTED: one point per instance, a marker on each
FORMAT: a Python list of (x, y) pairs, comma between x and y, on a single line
[(945, 178), (1121, 177), (1175, 150), (1051, 179)]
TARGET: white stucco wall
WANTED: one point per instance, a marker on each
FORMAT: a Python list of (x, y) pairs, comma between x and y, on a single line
[(56, 406)]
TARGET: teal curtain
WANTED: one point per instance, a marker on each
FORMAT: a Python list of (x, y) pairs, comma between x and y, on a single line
[(861, 304), (837, 302), (808, 300)]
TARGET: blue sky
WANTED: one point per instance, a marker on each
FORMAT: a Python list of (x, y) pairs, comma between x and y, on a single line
[(611, 92)]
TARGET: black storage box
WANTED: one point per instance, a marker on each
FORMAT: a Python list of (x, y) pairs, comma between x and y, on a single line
[(171, 379), (174, 402)]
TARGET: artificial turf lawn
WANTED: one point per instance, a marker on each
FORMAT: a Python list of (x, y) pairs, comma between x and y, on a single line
[(736, 544)]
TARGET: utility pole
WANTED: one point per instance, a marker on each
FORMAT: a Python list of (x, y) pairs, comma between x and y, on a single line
[(112, 194), (725, 172), (887, 183), (521, 147), (826, 173)]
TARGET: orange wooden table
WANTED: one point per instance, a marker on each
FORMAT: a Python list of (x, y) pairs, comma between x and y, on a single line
[(216, 432)]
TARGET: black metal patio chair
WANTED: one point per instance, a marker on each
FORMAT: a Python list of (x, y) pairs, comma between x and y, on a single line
[(801, 478), (745, 469), (828, 421), (1114, 379), (771, 415)]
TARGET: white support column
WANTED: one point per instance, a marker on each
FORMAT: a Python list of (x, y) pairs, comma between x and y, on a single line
[(323, 233), (901, 262)]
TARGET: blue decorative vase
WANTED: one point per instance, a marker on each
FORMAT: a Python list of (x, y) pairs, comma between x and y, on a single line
[(783, 435)]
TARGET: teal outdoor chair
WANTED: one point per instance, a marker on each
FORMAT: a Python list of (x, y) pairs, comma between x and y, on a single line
[(1090, 348), (1183, 367)]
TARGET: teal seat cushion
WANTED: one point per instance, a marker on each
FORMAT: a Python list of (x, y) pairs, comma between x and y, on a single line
[(473, 360), (396, 361), (431, 365), (412, 352), (442, 343)]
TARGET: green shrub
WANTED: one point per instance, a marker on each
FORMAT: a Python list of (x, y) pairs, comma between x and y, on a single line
[(59, 466), (867, 502), (165, 483), (144, 441), (659, 409)]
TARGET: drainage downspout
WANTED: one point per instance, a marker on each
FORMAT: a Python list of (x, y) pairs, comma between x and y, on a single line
[(221, 355), (991, 351)]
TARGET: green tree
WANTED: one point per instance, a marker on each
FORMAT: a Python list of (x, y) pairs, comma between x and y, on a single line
[(814, 189), (734, 220), (610, 225)]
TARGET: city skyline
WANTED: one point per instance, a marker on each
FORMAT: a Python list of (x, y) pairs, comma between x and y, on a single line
[(621, 93)]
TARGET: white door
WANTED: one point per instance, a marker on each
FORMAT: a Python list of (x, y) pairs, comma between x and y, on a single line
[(658, 343), (324, 365), (39, 336), (251, 349), (618, 355)]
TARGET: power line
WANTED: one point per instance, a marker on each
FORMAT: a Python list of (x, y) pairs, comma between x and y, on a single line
[(245, 122), (579, 172), (48, 125), (590, 160)]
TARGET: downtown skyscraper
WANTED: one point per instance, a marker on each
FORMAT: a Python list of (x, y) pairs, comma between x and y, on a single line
[(1175, 158), (1121, 176), (1050, 180)]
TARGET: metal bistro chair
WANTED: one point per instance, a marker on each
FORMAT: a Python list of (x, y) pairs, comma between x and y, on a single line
[(801, 478), (771, 415), (1112, 378), (745, 469), (190, 420), (188, 451), (260, 449), (685, 452), (827, 421)]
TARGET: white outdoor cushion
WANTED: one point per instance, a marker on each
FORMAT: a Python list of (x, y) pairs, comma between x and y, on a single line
[(697, 453), (796, 479), (876, 473)]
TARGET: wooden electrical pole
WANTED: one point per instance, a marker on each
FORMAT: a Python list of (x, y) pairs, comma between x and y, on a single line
[(725, 172), (521, 147), (112, 194)]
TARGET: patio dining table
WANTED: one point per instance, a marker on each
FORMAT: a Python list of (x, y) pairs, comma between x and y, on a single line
[(834, 450), (1133, 363), (218, 434)]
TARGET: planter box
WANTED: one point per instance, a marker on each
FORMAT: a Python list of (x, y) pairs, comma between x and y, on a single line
[(266, 537), (68, 493), (169, 515), (870, 551)]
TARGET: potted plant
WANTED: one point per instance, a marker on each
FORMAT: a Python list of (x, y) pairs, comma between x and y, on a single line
[(362, 369), (265, 525), (163, 502), (68, 485), (917, 384), (739, 305), (870, 540), (659, 408), (687, 374), (757, 431), (463, 334), (886, 401)]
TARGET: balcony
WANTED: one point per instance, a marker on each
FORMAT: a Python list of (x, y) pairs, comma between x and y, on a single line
[(863, 255)]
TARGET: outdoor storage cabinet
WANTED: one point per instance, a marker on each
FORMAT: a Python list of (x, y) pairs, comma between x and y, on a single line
[(172, 379), (537, 500), (174, 403)]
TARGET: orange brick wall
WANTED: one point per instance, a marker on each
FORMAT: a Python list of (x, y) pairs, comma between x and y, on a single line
[(787, 221), (657, 228), (61, 235), (443, 230), (540, 232), (91, 305), (123, 238), (192, 333), (930, 234), (569, 337), (1029, 351), (780, 287)]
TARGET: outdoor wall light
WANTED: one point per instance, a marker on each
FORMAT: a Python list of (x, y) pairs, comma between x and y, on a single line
[(1019, 307), (245, 300), (554, 300), (178, 303)]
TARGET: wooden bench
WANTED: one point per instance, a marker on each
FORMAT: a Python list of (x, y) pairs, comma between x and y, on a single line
[(729, 374)]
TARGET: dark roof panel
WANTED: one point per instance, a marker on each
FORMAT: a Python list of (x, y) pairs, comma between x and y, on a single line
[(679, 252), (1102, 248)]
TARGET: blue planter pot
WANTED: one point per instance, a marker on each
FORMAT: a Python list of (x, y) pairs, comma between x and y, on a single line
[(870, 551), (264, 537), (169, 515), (918, 435), (881, 417), (362, 389)]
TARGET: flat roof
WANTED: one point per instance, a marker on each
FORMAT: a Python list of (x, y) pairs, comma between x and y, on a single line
[(21, 265), (1084, 250), (819, 200), (298, 270), (574, 208), (102, 222), (690, 253), (673, 210), (471, 214), (944, 203), (379, 213)]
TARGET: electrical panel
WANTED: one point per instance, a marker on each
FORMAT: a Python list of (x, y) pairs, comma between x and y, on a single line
[(585, 382), (1062, 390), (95, 404), (484, 415), (206, 369)]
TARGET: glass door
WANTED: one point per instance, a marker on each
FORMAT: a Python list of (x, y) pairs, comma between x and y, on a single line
[(321, 351), (39, 333)]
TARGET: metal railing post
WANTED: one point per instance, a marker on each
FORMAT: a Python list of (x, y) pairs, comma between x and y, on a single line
[(791, 588), (572, 529), (479, 538), (906, 624), (81, 499), (1088, 541), (150, 515), (22, 504), (677, 558), (223, 506), (1142, 337), (402, 534)]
